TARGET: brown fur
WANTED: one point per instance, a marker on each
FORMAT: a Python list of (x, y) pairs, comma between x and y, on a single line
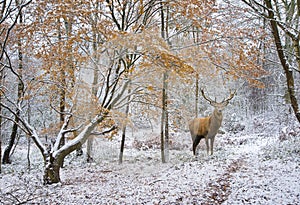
[(199, 126), (206, 128)]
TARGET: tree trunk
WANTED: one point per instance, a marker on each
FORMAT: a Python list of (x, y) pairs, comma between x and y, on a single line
[(166, 117), (197, 95), (62, 92), (54, 160), (52, 170), (6, 154), (124, 130), (122, 145), (28, 138), (89, 150), (283, 59), (164, 123), (0, 146), (28, 154), (95, 80), (0, 141), (164, 138), (162, 141), (12, 139), (1, 84)]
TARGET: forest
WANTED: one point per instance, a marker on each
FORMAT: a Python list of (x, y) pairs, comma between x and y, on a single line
[(97, 98)]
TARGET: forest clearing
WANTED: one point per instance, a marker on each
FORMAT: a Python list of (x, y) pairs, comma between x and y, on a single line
[(245, 169)]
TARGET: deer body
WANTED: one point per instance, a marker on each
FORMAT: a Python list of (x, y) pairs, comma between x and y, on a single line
[(208, 127)]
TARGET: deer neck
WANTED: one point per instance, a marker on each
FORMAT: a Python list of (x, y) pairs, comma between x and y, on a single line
[(216, 120)]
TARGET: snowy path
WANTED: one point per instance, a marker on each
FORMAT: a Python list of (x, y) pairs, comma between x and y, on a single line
[(270, 174)]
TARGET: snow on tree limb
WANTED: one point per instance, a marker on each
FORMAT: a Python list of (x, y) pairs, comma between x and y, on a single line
[(80, 139)]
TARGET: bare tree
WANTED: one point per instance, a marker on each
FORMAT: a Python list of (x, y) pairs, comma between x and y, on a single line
[(283, 17), (113, 84), (20, 93), (130, 16), (10, 12), (54, 154)]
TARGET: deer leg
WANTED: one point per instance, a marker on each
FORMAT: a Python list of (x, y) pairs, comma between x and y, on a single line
[(212, 145), (196, 142), (207, 145)]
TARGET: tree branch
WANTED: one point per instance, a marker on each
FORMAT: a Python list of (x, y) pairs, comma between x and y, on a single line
[(105, 132)]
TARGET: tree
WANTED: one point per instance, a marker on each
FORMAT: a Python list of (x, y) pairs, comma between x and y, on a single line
[(52, 53), (132, 17), (10, 13), (20, 86), (283, 18), (124, 126), (54, 155), (20, 91)]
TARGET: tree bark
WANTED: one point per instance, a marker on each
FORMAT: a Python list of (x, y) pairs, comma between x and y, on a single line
[(122, 145), (28, 153), (89, 150), (128, 63), (6, 154), (162, 141), (165, 115), (0, 144), (52, 169), (0, 134), (164, 122), (124, 130), (62, 92), (197, 95), (1, 81), (90, 140)]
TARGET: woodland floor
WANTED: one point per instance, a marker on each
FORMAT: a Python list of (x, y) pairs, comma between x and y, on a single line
[(245, 169)]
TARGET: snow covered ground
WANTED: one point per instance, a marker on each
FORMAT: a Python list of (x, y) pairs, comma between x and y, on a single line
[(245, 169)]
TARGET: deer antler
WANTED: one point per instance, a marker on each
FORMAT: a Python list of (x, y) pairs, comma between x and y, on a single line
[(207, 98), (211, 101), (230, 96)]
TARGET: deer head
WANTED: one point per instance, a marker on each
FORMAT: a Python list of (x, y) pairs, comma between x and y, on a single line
[(219, 106)]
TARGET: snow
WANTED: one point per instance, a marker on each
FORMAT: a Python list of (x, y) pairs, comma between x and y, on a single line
[(245, 169)]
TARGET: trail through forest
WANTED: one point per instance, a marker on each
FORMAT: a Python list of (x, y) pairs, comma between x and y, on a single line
[(243, 170)]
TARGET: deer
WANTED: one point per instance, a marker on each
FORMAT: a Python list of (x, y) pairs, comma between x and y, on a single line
[(207, 127)]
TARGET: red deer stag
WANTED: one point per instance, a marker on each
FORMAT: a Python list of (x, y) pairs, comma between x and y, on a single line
[(208, 127)]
